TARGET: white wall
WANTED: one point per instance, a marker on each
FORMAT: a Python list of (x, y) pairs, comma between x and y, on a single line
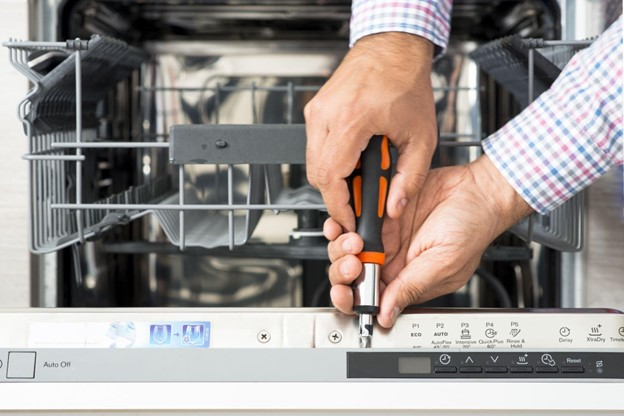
[(14, 257)]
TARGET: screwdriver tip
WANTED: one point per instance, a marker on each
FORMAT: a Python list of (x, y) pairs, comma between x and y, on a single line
[(365, 341), (366, 330)]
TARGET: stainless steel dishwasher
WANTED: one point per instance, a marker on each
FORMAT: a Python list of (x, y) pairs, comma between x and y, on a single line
[(176, 236)]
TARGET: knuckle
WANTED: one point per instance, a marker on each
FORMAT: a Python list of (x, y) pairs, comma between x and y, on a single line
[(324, 176), (312, 109), (312, 179)]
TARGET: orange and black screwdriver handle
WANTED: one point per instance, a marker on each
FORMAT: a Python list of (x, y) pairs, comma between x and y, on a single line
[(369, 186)]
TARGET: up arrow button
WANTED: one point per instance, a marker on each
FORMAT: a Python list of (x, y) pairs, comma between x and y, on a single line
[(469, 360)]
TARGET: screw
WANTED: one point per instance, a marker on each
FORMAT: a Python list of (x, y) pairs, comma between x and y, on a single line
[(221, 144), (264, 336), (335, 337)]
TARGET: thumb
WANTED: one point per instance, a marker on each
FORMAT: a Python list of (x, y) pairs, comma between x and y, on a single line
[(411, 171), (417, 282)]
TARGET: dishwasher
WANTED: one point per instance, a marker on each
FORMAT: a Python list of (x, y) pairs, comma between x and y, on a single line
[(177, 246)]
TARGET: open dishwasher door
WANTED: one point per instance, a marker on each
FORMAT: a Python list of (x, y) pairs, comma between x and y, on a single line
[(204, 361)]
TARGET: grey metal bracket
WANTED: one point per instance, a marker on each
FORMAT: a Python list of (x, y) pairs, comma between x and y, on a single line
[(237, 144)]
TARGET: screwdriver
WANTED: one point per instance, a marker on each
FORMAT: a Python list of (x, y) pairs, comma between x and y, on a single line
[(368, 185)]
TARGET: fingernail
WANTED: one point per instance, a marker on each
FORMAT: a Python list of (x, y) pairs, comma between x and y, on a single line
[(346, 246)]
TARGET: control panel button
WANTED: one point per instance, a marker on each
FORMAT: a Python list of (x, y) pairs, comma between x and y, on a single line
[(21, 364), (546, 369), (521, 369), (445, 359), (572, 369), (470, 369), (447, 369), (496, 369)]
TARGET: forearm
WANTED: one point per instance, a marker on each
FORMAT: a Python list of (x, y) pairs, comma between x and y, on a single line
[(429, 19), (571, 134)]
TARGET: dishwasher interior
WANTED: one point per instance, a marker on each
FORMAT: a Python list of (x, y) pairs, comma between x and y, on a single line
[(116, 220)]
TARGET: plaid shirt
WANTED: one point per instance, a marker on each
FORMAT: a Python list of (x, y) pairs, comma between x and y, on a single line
[(427, 18), (561, 143), (572, 134)]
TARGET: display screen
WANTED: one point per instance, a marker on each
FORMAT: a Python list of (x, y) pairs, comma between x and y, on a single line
[(414, 365)]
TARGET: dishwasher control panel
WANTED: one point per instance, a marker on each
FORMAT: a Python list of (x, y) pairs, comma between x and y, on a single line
[(534, 364), (284, 345), (301, 365)]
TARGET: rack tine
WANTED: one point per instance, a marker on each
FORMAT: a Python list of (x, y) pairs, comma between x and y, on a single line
[(217, 92), (253, 103), (79, 212), (181, 202), (290, 103), (230, 174)]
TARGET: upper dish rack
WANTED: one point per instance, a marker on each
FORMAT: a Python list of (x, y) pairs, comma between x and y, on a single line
[(61, 115)]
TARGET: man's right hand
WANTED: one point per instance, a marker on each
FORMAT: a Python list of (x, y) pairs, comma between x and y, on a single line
[(436, 245), (383, 86)]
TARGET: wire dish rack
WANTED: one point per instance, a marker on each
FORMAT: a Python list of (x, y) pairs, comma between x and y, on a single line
[(61, 114), (60, 72), (527, 68)]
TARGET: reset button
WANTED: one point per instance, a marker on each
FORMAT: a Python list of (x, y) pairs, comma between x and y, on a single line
[(21, 364)]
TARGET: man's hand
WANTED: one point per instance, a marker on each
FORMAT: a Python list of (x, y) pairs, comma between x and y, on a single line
[(383, 86), (436, 245)]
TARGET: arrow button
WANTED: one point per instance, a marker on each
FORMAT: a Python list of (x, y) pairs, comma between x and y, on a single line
[(494, 359)]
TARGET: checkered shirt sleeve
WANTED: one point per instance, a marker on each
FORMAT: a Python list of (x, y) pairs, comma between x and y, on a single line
[(572, 134), (426, 18)]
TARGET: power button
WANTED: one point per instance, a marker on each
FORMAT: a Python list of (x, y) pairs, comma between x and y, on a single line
[(0, 363), (21, 364)]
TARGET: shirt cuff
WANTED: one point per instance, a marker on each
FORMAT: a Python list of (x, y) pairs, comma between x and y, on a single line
[(429, 19)]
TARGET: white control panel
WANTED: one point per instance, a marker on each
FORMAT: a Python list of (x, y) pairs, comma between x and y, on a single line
[(310, 328), (172, 360)]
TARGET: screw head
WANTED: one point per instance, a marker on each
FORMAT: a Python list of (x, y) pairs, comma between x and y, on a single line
[(335, 337), (264, 336), (221, 144)]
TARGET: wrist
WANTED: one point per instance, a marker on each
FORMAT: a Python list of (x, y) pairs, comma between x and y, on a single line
[(506, 204), (401, 50)]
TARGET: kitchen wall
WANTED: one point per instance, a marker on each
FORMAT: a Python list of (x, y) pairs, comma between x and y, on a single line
[(14, 257)]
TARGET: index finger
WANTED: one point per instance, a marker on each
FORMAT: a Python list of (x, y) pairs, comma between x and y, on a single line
[(341, 152)]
